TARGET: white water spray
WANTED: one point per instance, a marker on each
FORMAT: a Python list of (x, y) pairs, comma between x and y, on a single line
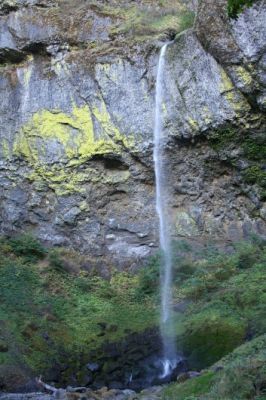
[(169, 360)]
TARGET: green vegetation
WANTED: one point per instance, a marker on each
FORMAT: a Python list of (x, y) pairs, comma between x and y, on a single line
[(255, 174), (226, 298), (253, 148), (53, 308), (148, 283), (142, 22), (239, 376), (186, 21), (186, 390), (28, 247), (235, 7), (222, 138)]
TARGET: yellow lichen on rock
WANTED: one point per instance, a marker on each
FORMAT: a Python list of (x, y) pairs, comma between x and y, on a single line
[(68, 137), (232, 95), (193, 124), (207, 115), (243, 75), (5, 149), (110, 130), (53, 141)]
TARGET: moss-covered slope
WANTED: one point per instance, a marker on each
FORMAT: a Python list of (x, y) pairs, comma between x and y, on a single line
[(55, 310)]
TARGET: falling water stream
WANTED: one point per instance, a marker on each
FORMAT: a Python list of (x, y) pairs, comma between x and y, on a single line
[(169, 358)]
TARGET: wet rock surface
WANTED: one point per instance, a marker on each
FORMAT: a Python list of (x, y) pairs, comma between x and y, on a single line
[(134, 363)]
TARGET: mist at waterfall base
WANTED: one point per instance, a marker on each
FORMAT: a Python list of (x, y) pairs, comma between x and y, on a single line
[(170, 359)]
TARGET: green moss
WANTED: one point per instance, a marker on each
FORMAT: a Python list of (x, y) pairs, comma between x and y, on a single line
[(67, 305), (28, 247), (239, 376), (186, 21), (210, 334), (222, 138), (226, 300), (255, 174), (242, 373), (253, 150)]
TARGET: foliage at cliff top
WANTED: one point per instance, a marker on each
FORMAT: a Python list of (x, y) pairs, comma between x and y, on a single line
[(146, 20), (100, 27), (138, 21)]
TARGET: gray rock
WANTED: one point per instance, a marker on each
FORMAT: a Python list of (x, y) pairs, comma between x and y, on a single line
[(26, 396), (71, 215), (93, 367), (76, 129)]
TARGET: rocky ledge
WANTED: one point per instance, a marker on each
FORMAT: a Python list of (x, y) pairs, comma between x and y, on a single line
[(87, 394)]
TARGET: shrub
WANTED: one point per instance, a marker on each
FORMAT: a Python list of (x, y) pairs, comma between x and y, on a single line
[(235, 7), (28, 247), (247, 255), (149, 279), (101, 287), (67, 260), (83, 283), (123, 284), (183, 270), (255, 174), (238, 376), (55, 261)]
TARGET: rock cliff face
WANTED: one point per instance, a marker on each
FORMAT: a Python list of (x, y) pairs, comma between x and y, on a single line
[(77, 85)]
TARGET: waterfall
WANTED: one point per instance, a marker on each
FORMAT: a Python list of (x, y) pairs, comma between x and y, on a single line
[(169, 360)]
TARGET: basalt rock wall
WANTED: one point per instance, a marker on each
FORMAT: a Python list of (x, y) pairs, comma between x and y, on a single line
[(76, 127)]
